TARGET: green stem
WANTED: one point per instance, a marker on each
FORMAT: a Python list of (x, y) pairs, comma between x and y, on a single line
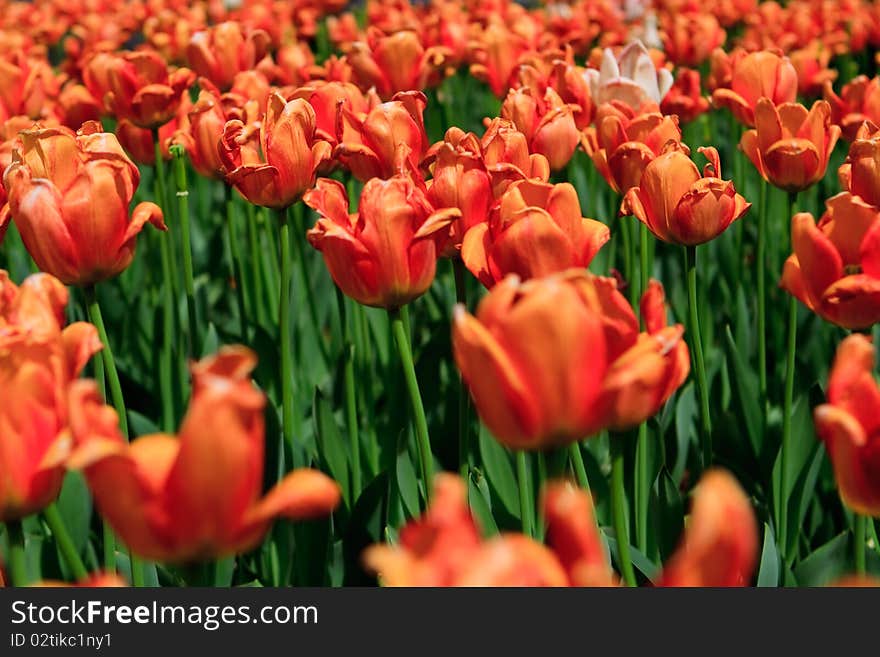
[(94, 310), (17, 561), (65, 543), (464, 455), (188, 279), (162, 196), (285, 335), (412, 386), (236, 264), (525, 508), (577, 462), (787, 401), (254, 249), (109, 542), (642, 478), (699, 361), (860, 523), (166, 354), (762, 294), (306, 288), (618, 510), (350, 400)]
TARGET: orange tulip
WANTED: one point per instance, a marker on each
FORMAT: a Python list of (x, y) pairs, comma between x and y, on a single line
[(762, 74), (495, 54), (574, 536), (395, 62), (690, 37), (444, 548), (685, 98), (39, 358), (384, 141), (860, 173), (859, 101), (811, 64), (137, 86), (76, 106), (790, 146), (460, 180), (835, 268), (28, 86), (328, 99), (622, 143), (679, 205), (9, 141), (558, 358), (433, 549), (546, 121), (848, 424), (507, 157), (720, 543), (196, 496), (385, 255), (220, 52), (205, 123), (274, 161), (536, 229), (138, 142), (69, 196)]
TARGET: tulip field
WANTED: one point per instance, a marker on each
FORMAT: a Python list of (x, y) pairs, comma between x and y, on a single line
[(441, 293)]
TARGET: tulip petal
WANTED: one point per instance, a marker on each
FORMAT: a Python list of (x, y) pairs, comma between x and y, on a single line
[(720, 544), (855, 457), (501, 392), (819, 261), (852, 302)]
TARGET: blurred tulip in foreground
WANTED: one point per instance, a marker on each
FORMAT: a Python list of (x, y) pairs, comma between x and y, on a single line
[(678, 204), (849, 425), (69, 196), (39, 358), (444, 547), (720, 543), (558, 358), (385, 255), (835, 268), (196, 496)]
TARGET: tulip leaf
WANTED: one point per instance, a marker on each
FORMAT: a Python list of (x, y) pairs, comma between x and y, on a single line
[(746, 384), (331, 446), (826, 563), (685, 428), (407, 480), (365, 526), (670, 513), (75, 506), (480, 503), (499, 471), (138, 425), (768, 570)]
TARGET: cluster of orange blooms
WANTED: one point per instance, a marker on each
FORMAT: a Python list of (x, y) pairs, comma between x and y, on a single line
[(553, 354)]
